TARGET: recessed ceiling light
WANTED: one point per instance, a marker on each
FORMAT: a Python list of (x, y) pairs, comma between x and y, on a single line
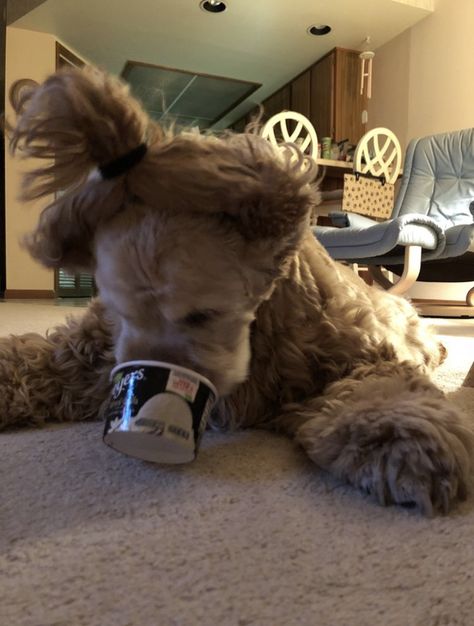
[(213, 6), (319, 29)]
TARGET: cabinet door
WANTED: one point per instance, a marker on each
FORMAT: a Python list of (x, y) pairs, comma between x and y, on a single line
[(239, 125), (279, 101), (300, 94), (349, 104), (252, 115), (322, 96)]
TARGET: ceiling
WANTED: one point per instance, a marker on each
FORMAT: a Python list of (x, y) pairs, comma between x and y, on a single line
[(262, 41)]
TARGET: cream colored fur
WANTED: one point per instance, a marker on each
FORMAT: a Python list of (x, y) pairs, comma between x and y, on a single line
[(204, 257)]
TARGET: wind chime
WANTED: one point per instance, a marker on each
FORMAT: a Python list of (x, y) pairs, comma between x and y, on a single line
[(366, 57)]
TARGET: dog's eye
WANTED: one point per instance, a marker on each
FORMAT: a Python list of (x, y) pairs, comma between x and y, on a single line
[(199, 318)]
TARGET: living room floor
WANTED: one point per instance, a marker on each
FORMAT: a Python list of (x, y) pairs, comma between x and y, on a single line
[(251, 533)]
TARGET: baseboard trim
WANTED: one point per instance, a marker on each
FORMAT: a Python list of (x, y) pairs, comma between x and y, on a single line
[(433, 310), (29, 294), (434, 302)]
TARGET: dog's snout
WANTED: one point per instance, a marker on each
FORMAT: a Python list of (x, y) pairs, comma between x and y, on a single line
[(169, 356), (133, 346)]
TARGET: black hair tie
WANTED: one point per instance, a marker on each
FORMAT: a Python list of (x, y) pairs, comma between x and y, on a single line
[(119, 166)]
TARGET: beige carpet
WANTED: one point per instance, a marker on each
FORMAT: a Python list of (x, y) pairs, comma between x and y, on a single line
[(251, 534)]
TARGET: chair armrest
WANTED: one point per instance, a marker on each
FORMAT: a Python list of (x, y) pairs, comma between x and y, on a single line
[(459, 239), (381, 242)]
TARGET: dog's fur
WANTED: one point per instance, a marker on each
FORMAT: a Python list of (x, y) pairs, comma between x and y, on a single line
[(203, 256)]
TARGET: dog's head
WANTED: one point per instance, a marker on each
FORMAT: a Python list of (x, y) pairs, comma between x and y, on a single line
[(186, 243)]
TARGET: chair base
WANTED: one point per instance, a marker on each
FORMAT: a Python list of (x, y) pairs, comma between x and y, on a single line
[(460, 269), (411, 270), (425, 307)]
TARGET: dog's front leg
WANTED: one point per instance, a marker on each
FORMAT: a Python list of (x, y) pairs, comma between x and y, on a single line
[(61, 377), (389, 431)]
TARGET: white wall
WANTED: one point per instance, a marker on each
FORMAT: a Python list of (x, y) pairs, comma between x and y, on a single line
[(441, 92), (29, 55), (390, 87), (424, 78)]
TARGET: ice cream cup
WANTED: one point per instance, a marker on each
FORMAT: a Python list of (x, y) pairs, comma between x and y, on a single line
[(158, 411)]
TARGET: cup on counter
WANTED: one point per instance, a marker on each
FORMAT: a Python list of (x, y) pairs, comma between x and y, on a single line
[(158, 411), (326, 147), (335, 152)]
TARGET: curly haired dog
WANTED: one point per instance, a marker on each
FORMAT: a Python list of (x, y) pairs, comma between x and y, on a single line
[(203, 256)]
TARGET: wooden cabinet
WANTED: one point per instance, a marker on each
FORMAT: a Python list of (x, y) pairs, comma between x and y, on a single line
[(279, 101), (300, 94), (239, 126), (336, 103), (348, 103), (322, 97), (328, 94)]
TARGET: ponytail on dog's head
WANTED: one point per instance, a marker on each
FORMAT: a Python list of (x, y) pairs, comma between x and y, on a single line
[(77, 120)]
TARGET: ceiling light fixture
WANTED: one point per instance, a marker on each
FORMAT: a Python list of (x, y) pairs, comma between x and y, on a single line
[(319, 30), (213, 6)]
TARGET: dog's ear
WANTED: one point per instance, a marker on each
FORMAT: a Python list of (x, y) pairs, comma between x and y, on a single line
[(266, 191), (64, 235), (277, 195)]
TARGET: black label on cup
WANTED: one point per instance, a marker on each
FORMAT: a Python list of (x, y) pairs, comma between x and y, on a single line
[(134, 385)]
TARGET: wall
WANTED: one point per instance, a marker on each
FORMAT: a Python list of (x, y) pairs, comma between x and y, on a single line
[(29, 55), (442, 70), (423, 79), (390, 86)]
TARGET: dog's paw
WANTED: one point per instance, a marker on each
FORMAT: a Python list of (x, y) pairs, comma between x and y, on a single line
[(409, 475), (409, 455)]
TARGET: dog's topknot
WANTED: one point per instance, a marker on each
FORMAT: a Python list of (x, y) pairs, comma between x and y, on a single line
[(81, 119)]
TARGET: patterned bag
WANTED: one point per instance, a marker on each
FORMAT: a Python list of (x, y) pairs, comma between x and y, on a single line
[(368, 195)]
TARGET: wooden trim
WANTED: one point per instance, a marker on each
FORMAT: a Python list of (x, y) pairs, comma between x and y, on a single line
[(33, 294), (63, 54), (432, 307), (444, 310), (437, 302)]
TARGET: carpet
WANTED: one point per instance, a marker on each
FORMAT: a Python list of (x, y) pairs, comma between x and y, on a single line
[(251, 534)]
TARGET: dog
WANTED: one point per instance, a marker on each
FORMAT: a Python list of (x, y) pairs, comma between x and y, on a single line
[(203, 254)]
